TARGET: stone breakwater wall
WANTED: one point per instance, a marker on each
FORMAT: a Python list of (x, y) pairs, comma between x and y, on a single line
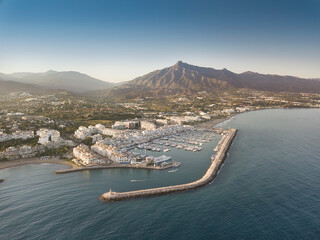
[(208, 177), (79, 169)]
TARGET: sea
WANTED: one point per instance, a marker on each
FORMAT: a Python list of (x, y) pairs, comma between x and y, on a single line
[(268, 188)]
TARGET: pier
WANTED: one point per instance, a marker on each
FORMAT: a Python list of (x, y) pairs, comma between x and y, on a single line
[(208, 177)]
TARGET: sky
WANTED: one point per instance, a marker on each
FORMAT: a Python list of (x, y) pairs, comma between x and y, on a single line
[(120, 40)]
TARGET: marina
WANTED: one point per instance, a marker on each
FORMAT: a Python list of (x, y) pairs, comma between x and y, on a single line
[(216, 164), (190, 141)]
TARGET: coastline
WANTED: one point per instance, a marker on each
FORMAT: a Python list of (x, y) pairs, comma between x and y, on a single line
[(212, 122), (75, 168), (25, 161)]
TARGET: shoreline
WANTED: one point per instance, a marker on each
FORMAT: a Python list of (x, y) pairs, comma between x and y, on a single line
[(56, 160), (27, 161), (212, 122), (208, 177), (75, 168)]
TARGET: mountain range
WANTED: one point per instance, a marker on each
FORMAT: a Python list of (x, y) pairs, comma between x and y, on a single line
[(69, 80), (186, 78), (7, 87), (179, 78)]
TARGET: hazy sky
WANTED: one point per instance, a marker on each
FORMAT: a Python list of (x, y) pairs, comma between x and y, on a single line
[(120, 40)]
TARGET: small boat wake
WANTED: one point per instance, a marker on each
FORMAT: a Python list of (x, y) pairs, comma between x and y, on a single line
[(138, 180)]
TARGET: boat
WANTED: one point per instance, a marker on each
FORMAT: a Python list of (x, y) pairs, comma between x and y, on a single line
[(174, 170), (176, 164), (161, 159), (134, 180), (166, 149)]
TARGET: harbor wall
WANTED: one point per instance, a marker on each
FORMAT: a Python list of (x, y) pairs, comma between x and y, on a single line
[(120, 165), (208, 177)]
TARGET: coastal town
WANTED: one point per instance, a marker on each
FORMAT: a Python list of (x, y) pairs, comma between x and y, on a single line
[(120, 132), (159, 120), (112, 145)]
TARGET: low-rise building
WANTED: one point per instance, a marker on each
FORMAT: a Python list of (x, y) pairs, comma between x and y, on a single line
[(180, 120), (83, 132), (85, 156), (16, 135), (126, 124), (12, 153)]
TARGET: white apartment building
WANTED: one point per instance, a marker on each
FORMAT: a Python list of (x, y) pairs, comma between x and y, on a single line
[(85, 155), (47, 136)]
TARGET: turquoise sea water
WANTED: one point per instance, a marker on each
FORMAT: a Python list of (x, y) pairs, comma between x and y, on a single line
[(268, 188)]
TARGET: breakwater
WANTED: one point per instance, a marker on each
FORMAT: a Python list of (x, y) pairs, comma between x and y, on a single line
[(78, 169), (209, 176)]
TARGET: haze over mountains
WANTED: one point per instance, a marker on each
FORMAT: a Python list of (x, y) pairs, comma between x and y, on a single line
[(176, 79), (7, 87), (70, 81)]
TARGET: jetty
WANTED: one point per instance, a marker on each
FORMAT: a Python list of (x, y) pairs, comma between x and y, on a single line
[(115, 165), (208, 177)]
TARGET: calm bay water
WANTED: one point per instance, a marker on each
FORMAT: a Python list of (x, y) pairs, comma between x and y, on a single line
[(269, 188)]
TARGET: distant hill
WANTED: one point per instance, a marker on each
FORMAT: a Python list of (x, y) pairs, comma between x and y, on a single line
[(70, 81), (186, 78), (7, 87)]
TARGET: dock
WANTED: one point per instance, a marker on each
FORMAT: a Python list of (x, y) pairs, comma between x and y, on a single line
[(208, 177)]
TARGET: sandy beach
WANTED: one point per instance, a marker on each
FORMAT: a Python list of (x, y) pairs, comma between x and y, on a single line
[(211, 123), (19, 162)]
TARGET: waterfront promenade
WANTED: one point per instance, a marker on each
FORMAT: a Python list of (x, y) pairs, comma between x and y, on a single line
[(208, 177)]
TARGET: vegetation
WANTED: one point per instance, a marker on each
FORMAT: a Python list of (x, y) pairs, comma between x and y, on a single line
[(60, 151), (87, 141), (17, 142)]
